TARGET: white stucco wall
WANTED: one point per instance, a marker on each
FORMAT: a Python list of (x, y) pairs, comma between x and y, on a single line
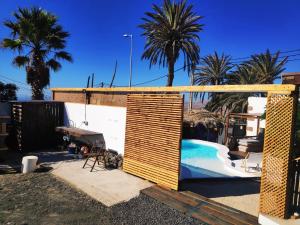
[(257, 105), (110, 121)]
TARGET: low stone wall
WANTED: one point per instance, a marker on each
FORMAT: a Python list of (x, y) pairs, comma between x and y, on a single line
[(93, 98)]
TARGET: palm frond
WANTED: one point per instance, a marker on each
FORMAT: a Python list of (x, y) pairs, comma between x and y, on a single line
[(13, 44), (53, 64), (21, 61), (63, 55)]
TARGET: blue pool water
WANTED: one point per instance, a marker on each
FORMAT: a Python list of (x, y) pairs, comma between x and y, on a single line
[(199, 160), (192, 150)]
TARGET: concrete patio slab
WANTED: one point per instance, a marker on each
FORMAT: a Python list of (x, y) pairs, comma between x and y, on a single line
[(110, 187), (246, 203)]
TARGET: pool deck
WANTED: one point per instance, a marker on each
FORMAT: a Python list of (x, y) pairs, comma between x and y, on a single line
[(233, 192)]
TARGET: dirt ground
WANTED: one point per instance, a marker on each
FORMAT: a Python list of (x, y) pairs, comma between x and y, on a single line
[(41, 198)]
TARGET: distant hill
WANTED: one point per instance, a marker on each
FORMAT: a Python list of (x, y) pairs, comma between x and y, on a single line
[(196, 104)]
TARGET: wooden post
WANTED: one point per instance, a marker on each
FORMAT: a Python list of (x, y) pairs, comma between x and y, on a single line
[(258, 124), (226, 129)]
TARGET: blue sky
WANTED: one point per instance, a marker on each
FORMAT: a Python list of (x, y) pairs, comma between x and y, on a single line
[(236, 27)]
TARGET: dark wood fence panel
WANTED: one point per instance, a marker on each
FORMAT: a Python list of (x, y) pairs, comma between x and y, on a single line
[(34, 124), (295, 202), (153, 138)]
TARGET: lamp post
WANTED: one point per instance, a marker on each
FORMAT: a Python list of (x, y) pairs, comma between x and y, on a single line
[(130, 57)]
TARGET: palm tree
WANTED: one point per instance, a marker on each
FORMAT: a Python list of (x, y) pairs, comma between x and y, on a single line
[(263, 68), (169, 30), (236, 102), (213, 71), (39, 41), (8, 92), (267, 66)]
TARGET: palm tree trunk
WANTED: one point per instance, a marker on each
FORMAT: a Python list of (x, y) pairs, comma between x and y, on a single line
[(37, 91), (171, 72), (191, 93)]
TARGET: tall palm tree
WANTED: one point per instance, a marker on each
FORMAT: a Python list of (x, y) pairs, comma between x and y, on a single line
[(212, 71), (39, 41), (169, 30)]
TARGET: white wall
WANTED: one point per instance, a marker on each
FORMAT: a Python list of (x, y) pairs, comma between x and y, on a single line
[(110, 121), (257, 105)]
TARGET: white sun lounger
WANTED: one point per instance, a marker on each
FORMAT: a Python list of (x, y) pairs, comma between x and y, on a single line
[(253, 161)]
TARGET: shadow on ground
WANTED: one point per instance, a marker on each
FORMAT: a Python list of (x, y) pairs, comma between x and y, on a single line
[(11, 161), (222, 187)]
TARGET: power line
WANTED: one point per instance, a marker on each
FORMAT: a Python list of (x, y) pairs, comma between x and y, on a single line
[(7, 78), (149, 81), (290, 60), (279, 57), (295, 50), (22, 87), (160, 77), (25, 87)]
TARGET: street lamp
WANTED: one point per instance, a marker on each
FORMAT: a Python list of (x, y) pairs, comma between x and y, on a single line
[(130, 57)]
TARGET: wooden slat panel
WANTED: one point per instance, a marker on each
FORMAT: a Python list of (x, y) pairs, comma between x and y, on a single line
[(153, 137), (275, 179)]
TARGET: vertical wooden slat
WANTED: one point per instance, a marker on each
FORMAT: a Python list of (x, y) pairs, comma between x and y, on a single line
[(153, 137)]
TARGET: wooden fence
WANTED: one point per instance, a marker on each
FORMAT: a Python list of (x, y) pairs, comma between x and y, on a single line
[(158, 161), (295, 202), (153, 138), (34, 124)]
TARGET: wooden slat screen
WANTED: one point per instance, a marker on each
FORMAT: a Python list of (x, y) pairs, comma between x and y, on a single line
[(275, 190), (153, 138), (34, 124)]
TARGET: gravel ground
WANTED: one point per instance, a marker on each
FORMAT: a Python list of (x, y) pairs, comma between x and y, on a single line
[(40, 198)]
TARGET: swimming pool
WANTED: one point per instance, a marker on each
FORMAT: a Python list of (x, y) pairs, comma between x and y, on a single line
[(191, 149), (203, 159)]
